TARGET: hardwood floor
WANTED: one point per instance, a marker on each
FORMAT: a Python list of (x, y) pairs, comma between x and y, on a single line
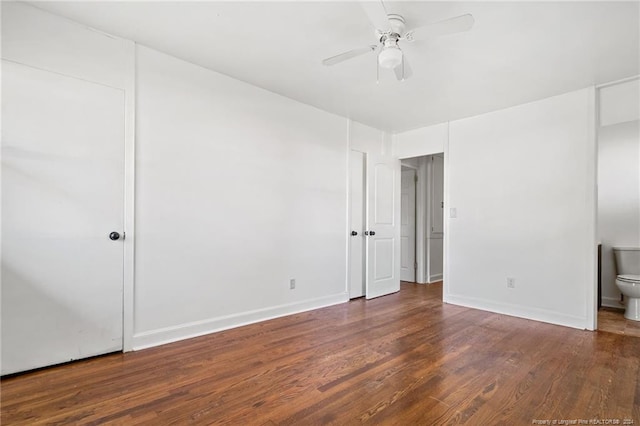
[(402, 359), (613, 321)]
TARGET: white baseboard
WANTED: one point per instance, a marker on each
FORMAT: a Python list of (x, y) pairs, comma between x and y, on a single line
[(162, 336), (612, 302), (434, 278), (526, 312)]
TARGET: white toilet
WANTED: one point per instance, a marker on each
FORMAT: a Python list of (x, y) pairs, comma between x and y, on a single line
[(628, 279)]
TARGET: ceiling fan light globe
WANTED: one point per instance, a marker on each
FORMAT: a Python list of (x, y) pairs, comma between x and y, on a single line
[(390, 57)]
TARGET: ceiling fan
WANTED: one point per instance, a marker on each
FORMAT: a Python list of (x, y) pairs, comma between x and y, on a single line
[(390, 30)]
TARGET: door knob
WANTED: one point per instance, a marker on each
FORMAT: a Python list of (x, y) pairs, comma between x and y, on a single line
[(372, 233), (354, 233), (114, 236)]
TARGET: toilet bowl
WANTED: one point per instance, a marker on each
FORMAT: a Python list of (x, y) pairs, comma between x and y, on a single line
[(628, 279), (629, 285)]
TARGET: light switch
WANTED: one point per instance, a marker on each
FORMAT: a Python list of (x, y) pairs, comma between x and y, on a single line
[(453, 212)]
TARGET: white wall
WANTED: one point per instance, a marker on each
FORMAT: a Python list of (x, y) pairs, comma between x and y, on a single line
[(523, 183), (422, 141), (42, 40), (367, 139), (619, 102), (618, 198), (238, 190)]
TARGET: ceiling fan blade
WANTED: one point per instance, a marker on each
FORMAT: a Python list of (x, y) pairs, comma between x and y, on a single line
[(436, 29), (377, 14), (403, 71), (348, 55)]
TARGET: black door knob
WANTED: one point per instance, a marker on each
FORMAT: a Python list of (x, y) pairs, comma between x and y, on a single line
[(372, 232), (354, 233), (114, 236)]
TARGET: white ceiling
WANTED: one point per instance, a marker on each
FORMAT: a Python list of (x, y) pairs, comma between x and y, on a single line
[(517, 51)]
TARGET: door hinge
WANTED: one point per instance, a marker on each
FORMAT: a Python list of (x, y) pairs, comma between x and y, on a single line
[(415, 265), (415, 178)]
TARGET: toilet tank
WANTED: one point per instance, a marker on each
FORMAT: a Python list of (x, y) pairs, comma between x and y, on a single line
[(627, 260)]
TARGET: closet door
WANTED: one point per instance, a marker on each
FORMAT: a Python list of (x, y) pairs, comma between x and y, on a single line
[(62, 203), (357, 221)]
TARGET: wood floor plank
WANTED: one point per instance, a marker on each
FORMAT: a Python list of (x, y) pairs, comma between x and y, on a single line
[(613, 321), (405, 358)]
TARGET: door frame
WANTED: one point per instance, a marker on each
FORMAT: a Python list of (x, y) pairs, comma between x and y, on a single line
[(423, 187), (129, 198), (423, 213)]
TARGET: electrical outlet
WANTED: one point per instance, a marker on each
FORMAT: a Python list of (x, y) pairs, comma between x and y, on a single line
[(292, 283), (511, 282)]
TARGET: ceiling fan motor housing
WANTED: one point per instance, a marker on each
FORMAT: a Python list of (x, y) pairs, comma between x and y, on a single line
[(397, 24)]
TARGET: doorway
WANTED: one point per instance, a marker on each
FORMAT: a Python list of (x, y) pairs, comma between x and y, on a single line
[(618, 197), (422, 254)]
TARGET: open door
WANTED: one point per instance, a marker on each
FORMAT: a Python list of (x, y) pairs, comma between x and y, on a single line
[(383, 225)]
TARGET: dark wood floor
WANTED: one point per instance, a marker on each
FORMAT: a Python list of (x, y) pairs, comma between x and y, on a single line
[(402, 359)]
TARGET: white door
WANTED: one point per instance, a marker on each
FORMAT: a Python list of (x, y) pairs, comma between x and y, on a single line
[(408, 226), (437, 214), (357, 221), (383, 241), (62, 195), (437, 191)]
